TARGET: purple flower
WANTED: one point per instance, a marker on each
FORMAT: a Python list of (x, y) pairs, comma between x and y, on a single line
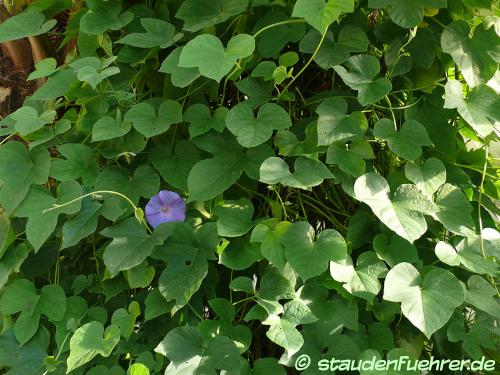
[(164, 207)]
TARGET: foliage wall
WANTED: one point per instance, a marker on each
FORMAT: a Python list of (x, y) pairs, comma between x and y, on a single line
[(338, 161)]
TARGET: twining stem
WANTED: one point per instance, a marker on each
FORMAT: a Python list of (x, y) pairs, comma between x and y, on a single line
[(318, 47), (479, 218), (95, 194), (275, 25)]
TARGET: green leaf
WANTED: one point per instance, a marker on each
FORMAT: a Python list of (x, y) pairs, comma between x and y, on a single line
[(90, 340), (482, 295), (125, 319), (334, 125), (57, 85), (476, 56), (109, 128), (41, 224), (43, 68), (470, 258), (24, 24), (251, 131), (156, 305), (454, 210), (104, 15), (19, 359), (428, 177), (476, 337), (28, 120), (407, 13), (180, 77), (131, 244), (198, 14), (21, 296), (186, 256), (407, 143), (175, 168), (402, 213), (429, 301), (362, 280), (395, 250), (360, 77), (239, 255), (140, 276), (350, 39), (307, 173), (319, 14), (309, 258), (201, 120), (350, 158), (480, 109), (270, 240), (207, 53), (149, 122), (234, 217), (83, 224), (5, 232), (79, 162), (265, 366), (211, 177), (283, 333), (19, 169), (11, 261), (158, 33), (138, 369)]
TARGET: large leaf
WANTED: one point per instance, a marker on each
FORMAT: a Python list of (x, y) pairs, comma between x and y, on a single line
[(24, 24), (104, 15), (480, 109), (41, 224), (90, 340), (334, 125), (307, 256), (207, 53), (307, 173), (362, 280), (198, 14), (403, 212), (321, 14), (407, 142), (186, 254), (251, 131), (428, 177), (476, 56), (158, 33), (429, 301), (408, 13), (151, 122), (131, 244), (22, 296), (361, 77), (19, 169)]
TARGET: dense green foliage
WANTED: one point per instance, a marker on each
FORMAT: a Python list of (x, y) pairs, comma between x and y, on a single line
[(339, 164)]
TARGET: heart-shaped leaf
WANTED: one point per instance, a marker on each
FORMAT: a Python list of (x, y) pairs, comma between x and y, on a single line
[(360, 77), (251, 131), (407, 142), (427, 302), (207, 53)]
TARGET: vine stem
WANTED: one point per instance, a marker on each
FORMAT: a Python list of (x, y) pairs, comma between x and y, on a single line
[(479, 218), (318, 47), (136, 209), (277, 24)]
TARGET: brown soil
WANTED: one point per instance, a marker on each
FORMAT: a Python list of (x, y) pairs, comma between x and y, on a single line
[(13, 87)]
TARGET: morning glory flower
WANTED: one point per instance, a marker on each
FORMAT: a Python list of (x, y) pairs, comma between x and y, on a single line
[(166, 206)]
